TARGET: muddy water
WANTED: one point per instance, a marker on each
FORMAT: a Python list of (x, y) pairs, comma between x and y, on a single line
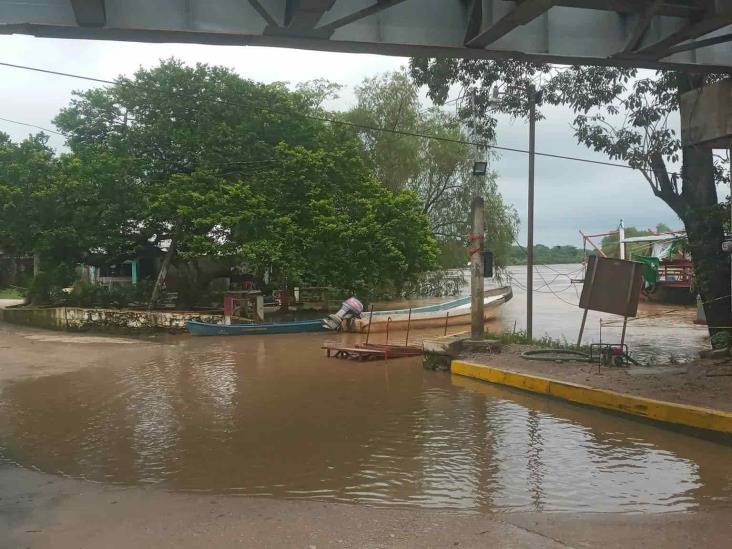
[(272, 416), (660, 332)]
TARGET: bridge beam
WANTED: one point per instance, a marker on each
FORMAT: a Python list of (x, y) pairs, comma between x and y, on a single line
[(523, 13), (264, 13), (89, 13), (374, 8), (717, 17), (305, 14)]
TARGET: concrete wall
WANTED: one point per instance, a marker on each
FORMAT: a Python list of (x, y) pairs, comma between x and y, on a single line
[(119, 320)]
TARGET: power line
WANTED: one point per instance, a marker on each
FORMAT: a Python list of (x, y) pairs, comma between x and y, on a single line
[(345, 122), (31, 125)]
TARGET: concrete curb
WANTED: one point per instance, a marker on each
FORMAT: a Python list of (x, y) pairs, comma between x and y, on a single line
[(657, 410)]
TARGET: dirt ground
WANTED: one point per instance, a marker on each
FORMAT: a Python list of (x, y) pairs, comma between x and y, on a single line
[(39, 510), (703, 382)]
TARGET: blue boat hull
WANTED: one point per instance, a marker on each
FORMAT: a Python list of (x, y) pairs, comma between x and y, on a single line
[(254, 328)]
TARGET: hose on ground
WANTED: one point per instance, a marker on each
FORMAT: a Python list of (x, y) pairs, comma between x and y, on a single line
[(556, 354)]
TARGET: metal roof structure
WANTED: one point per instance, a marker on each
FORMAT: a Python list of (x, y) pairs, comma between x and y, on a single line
[(674, 34)]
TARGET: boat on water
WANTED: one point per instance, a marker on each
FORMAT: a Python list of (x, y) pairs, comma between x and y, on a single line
[(198, 328), (455, 312)]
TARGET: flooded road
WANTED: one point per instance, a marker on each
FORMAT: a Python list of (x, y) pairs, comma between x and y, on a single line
[(272, 416), (660, 332)]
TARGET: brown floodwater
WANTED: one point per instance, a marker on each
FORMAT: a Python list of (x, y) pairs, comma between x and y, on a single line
[(660, 333), (271, 416)]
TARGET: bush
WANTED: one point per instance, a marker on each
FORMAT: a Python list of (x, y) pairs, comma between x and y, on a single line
[(116, 296)]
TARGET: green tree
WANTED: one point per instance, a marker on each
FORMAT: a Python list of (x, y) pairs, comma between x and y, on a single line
[(179, 129), (27, 171), (61, 209), (437, 171), (330, 222), (389, 101), (226, 167), (625, 114)]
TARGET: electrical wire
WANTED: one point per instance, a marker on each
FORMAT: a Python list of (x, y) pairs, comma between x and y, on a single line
[(32, 126), (548, 284), (344, 122)]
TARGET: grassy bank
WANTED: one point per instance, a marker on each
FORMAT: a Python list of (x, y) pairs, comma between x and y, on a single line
[(11, 293)]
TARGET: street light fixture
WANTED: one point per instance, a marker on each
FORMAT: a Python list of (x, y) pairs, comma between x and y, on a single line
[(480, 168)]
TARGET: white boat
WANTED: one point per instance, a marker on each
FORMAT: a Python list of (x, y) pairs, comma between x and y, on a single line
[(455, 312)]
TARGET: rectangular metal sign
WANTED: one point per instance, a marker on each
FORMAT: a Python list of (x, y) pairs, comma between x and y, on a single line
[(612, 286)]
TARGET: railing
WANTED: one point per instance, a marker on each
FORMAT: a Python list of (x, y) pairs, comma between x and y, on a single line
[(679, 273)]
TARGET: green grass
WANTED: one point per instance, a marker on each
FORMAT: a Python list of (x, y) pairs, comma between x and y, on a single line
[(11, 293), (546, 342)]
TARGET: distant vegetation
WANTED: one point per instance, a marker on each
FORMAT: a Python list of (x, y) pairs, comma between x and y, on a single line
[(546, 255)]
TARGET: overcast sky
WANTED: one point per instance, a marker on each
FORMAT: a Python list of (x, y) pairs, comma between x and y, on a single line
[(570, 196)]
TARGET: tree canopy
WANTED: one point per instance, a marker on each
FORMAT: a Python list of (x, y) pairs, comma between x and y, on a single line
[(198, 161), (437, 170)]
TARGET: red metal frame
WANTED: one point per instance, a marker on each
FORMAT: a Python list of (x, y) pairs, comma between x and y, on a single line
[(676, 273)]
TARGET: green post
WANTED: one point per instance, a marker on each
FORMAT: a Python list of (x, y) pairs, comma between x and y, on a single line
[(134, 272)]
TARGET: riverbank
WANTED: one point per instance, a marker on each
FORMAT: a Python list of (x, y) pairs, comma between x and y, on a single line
[(703, 382), (40, 510)]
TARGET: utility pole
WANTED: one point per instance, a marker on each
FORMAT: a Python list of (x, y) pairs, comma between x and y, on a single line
[(477, 239), (530, 224)]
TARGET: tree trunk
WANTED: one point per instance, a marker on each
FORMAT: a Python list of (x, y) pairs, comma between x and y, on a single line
[(711, 267), (163, 272), (704, 220), (36, 263)]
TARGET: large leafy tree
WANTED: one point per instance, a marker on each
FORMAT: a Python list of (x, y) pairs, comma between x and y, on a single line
[(61, 209), (329, 221), (28, 170), (223, 166), (438, 170), (188, 137), (627, 114)]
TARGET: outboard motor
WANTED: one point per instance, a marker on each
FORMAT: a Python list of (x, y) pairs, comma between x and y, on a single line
[(351, 308)]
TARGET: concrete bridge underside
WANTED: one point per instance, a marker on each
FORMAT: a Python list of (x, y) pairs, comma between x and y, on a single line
[(676, 34)]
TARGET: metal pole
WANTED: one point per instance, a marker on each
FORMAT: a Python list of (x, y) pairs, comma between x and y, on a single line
[(368, 330), (627, 303), (582, 329), (447, 317), (621, 239), (530, 221), (477, 238), (622, 337), (409, 322), (589, 299)]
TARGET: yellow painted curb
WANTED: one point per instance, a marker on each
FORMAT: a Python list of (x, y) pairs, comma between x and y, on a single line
[(667, 412)]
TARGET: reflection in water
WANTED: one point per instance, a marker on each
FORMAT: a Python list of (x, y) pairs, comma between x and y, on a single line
[(272, 416)]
